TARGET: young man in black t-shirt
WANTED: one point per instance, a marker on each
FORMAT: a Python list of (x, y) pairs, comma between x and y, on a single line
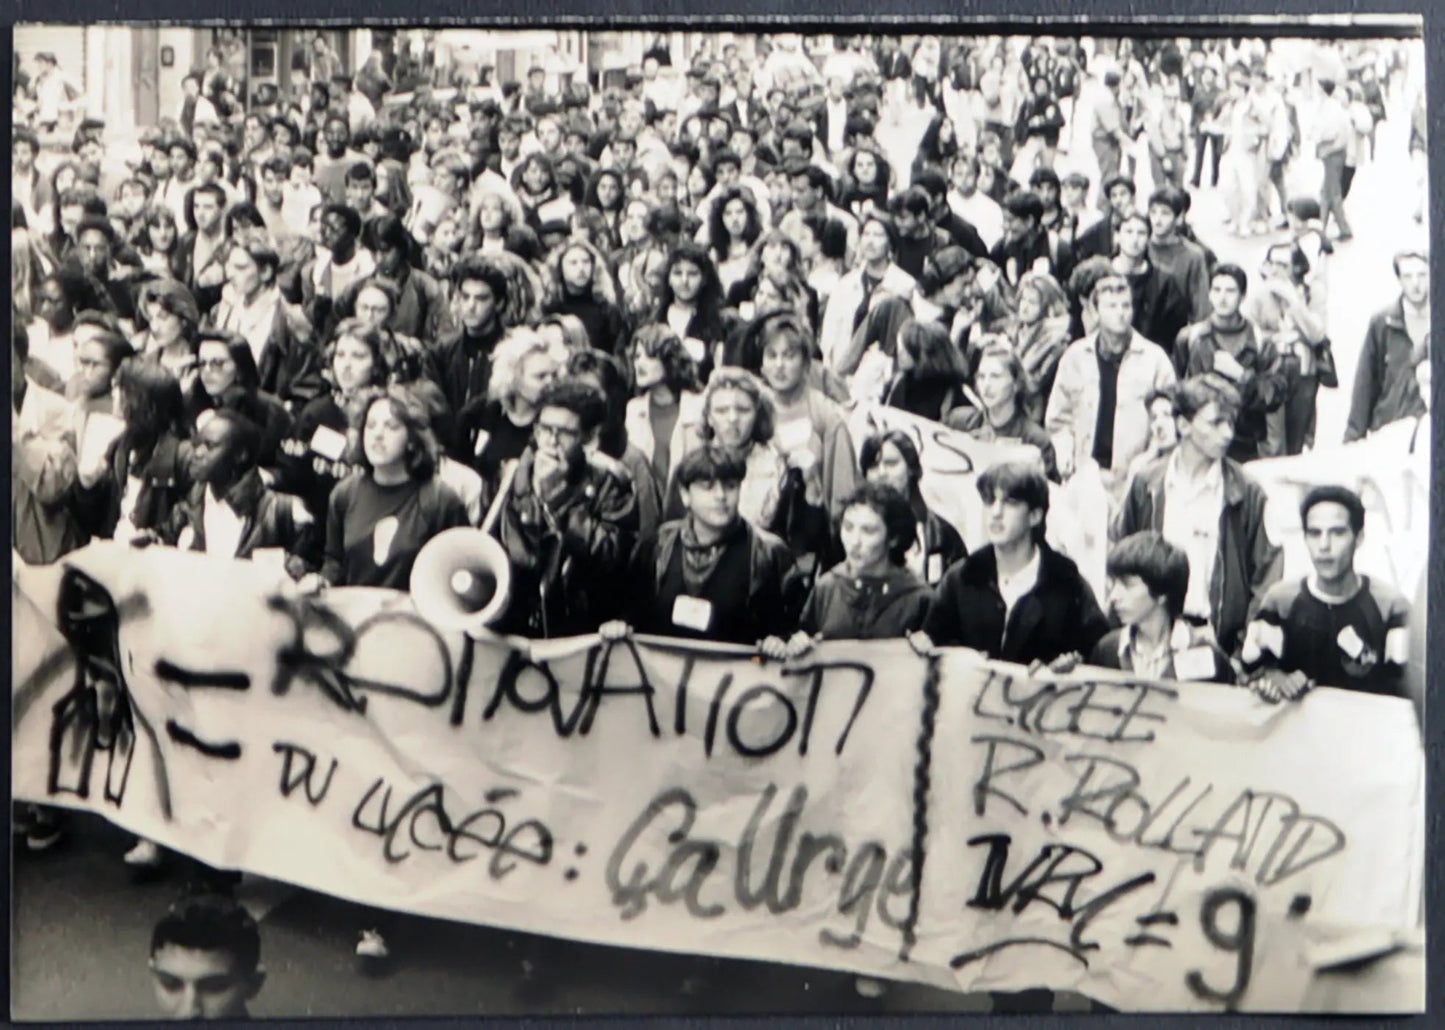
[(1334, 628)]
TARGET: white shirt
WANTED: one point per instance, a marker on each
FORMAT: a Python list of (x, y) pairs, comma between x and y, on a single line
[(222, 526), (982, 212), (1191, 523), (837, 120), (1021, 582)]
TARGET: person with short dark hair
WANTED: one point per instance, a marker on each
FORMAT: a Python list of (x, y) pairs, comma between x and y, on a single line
[(463, 355), (1335, 627), (205, 959), (871, 594), (1024, 247), (1097, 240), (710, 575), (1016, 599), (1161, 310), (340, 263), (567, 520), (1148, 578), (1173, 253), (1290, 313), (1230, 345), (230, 511), (1208, 506), (918, 237)]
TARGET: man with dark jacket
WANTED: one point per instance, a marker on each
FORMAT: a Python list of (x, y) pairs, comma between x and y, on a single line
[(918, 237), (567, 521), (1229, 344), (1161, 310), (1397, 343), (1025, 244), (463, 357), (709, 575), (960, 231), (1209, 507), (1016, 599)]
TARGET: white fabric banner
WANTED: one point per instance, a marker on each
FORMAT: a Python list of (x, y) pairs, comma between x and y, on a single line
[(942, 820)]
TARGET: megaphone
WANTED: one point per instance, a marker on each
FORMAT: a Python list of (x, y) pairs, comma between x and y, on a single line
[(461, 580)]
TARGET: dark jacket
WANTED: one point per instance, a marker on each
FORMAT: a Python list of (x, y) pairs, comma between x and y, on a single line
[(183, 259), (1161, 310), (746, 590), (164, 481), (463, 367), (842, 607), (1057, 616), (566, 560), (1385, 387), (1016, 258), (290, 365), (313, 461), (422, 310), (268, 519), (1261, 391), (1247, 562), (1106, 655)]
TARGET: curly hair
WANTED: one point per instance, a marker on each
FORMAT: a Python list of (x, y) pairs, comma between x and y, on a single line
[(511, 355), (895, 512), (422, 451), (729, 377), (709, 294), (371, 339), (657, 340), (717, 232)]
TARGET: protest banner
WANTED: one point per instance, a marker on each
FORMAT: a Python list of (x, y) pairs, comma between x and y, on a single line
[(1390, 470), (952, 460), (945, 820)]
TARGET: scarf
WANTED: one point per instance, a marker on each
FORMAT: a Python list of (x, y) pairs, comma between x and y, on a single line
[(699, 560)]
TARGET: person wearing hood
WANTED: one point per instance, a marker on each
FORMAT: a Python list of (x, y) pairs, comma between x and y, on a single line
[(871, 594)]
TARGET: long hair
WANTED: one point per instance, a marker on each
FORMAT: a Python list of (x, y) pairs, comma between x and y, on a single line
[(422, 451), (933, 353), (397, 196), (657, 340), (153, 216), (776, 236), (371, 339), (709, 294), (248, 377), (151, 400), (590, 198), (717, 233), (601, 290), (612, 435)]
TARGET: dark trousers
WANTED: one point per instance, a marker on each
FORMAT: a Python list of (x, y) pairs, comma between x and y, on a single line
[(1332, 196), (1204, 140)]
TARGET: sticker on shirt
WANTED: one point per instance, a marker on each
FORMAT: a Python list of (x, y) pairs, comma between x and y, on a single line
[(1350, 642), (693, 613), (381, 539), (935, 568), (794, 435), (328, 443), (1194, 664), (483, 437)]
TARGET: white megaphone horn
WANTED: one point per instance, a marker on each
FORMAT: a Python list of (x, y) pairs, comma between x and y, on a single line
[(462, 579)]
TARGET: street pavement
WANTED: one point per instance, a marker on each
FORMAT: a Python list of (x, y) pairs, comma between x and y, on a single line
[(81, 926)]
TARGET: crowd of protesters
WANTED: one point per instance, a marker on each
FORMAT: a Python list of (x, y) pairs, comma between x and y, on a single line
[(625, 327)]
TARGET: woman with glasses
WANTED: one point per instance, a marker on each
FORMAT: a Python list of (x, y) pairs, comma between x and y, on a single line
[(226, 379)]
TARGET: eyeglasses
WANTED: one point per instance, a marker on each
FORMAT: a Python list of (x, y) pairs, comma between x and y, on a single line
[(215, 363), (561, 434)]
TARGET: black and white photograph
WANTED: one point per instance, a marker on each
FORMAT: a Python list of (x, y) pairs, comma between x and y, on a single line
[(790, 520)]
